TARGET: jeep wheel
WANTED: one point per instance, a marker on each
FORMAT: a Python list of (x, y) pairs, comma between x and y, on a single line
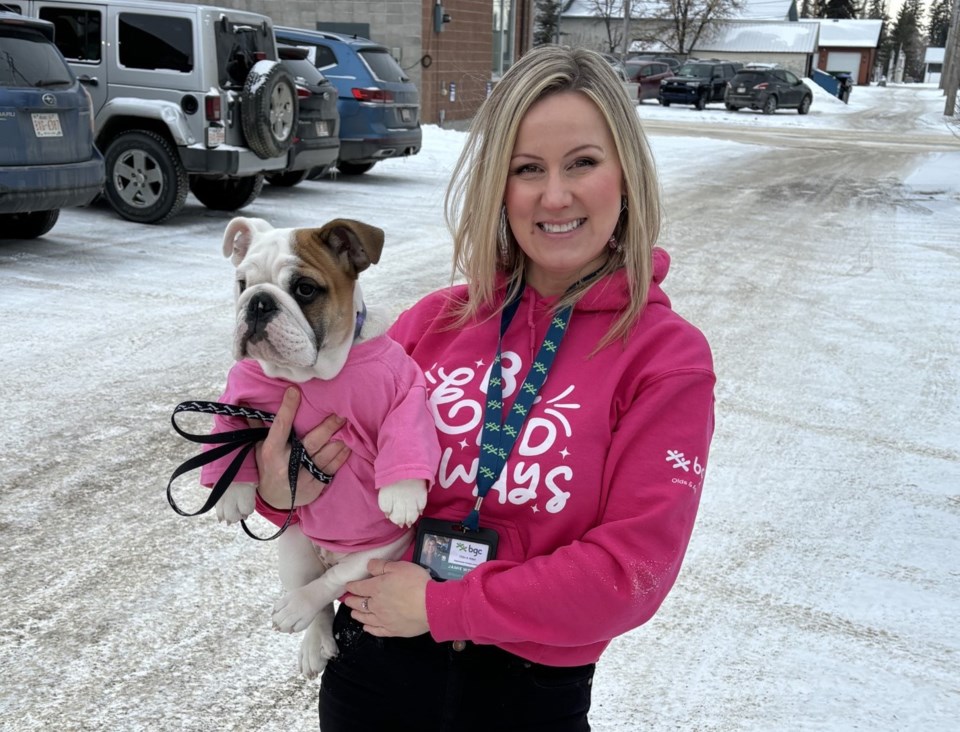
[(701, 103), (27, 225), (288, 179), (146, 181), (770, 106), (732, 107), (226, 194), (269, 109), (804, 105), (353, 168), (664, 103)]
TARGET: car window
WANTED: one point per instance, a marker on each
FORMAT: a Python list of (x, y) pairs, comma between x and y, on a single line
[(30, 60), (303, 69), (76, 32), (239, 46), (695, 70), (383, 65), (750, 77), (791, 77), (323, 56), (779, 76), (155, 42)]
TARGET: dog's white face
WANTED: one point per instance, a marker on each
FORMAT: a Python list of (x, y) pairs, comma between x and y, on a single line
[(296, 293)]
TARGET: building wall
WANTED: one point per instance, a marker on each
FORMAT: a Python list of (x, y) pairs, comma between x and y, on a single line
[(799, 63), (460, 61), (460, 55)]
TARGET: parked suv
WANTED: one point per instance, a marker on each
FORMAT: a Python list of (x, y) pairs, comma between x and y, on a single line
[(317, 142), (647, 75), (698, 83), (47, 156), (379, 106), (768, 89), (186, 96)]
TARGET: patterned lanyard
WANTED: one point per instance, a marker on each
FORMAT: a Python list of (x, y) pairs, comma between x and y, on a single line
[(499, 436)]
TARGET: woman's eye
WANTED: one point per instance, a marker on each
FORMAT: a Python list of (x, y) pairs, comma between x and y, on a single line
[(527, 169), (584, 163)]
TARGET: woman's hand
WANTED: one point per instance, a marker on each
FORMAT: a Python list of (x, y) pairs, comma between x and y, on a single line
[(273, 455), (393, 602)]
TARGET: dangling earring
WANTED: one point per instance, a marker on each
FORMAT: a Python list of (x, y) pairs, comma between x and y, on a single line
[(503, 238), (613, 243)]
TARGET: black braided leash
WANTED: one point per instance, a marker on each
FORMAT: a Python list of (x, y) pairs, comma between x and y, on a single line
[(243, 440)]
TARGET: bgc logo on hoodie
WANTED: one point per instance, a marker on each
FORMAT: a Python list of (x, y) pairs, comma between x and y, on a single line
[(694, 469)]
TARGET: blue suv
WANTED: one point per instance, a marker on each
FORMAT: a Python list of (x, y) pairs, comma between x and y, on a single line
[(48, 159), (378, 104)]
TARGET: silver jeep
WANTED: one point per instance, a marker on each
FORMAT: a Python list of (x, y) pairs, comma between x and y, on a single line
[(186, 97)]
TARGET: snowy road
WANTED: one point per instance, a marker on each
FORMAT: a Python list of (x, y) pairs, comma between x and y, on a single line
[(822, 582)]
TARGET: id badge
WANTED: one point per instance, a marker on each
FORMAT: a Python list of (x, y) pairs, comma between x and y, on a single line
[(449, 550)]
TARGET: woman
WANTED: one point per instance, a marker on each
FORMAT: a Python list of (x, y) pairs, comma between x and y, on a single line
[(554, 211)]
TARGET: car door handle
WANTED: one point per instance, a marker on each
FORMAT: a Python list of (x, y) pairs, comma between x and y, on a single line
[(89, 80)]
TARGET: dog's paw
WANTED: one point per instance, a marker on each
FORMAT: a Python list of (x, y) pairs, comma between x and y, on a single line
[(317, 648), (294, 611), (237, 503), (403, 502)]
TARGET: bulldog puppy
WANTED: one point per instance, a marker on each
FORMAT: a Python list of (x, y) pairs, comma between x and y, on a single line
[(301, 319)]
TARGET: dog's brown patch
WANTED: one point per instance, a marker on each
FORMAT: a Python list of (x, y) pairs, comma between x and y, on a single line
[(333, 312)]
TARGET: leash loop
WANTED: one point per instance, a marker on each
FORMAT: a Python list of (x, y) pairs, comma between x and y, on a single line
[(242, 441)]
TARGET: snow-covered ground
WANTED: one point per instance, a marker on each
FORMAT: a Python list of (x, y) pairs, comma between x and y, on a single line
[(821, 587)]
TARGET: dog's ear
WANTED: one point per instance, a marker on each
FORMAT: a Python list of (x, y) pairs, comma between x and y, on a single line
[(238, 236), (355, 243)]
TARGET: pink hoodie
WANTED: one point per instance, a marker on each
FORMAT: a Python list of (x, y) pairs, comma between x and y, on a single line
[(598, 498)]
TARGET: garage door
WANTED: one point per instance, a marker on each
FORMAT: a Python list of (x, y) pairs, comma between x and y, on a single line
[(844, 62)]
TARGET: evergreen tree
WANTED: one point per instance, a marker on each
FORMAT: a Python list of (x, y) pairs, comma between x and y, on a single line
[(877, 10), (843, 9), (547, 26), (939, 24), (907, 37)]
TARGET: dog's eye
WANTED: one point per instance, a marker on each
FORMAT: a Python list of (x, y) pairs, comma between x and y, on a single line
[(241, 285), (306, 291)]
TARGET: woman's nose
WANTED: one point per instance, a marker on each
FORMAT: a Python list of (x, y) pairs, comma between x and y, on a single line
[(556, 193)]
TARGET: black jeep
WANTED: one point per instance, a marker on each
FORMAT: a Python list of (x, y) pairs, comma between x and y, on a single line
[(697, 83)]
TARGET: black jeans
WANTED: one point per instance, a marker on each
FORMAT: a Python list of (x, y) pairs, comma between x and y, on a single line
[(418, 685)]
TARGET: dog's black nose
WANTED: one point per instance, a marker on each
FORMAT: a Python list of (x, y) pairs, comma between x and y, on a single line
[(260, 311)]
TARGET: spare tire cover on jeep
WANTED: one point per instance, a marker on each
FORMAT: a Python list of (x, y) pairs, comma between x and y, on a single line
[(269, 105)]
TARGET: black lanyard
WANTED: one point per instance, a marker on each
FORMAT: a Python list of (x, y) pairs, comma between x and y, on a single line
[(499, 435), (243, 440)]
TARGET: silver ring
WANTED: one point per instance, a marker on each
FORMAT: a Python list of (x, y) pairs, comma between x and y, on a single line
[(365, 605)]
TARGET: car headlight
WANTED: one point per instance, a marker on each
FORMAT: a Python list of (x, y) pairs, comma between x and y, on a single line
[(693, 84)]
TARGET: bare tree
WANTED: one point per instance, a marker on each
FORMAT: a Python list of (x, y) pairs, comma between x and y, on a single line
[(684, 22), (611, 13)]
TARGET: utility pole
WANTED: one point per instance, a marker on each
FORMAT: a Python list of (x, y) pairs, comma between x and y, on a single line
[(951, 62), (625, 6)]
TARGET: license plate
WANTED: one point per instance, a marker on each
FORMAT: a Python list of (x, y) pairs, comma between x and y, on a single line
[(47, 124), (216, 135), (740, 90), (323, 129), (406, 115)]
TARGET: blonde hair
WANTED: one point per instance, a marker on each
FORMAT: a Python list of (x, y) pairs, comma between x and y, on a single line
[(483, 244)]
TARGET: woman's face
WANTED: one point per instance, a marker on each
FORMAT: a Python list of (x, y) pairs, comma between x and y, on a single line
[(564, 190)]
